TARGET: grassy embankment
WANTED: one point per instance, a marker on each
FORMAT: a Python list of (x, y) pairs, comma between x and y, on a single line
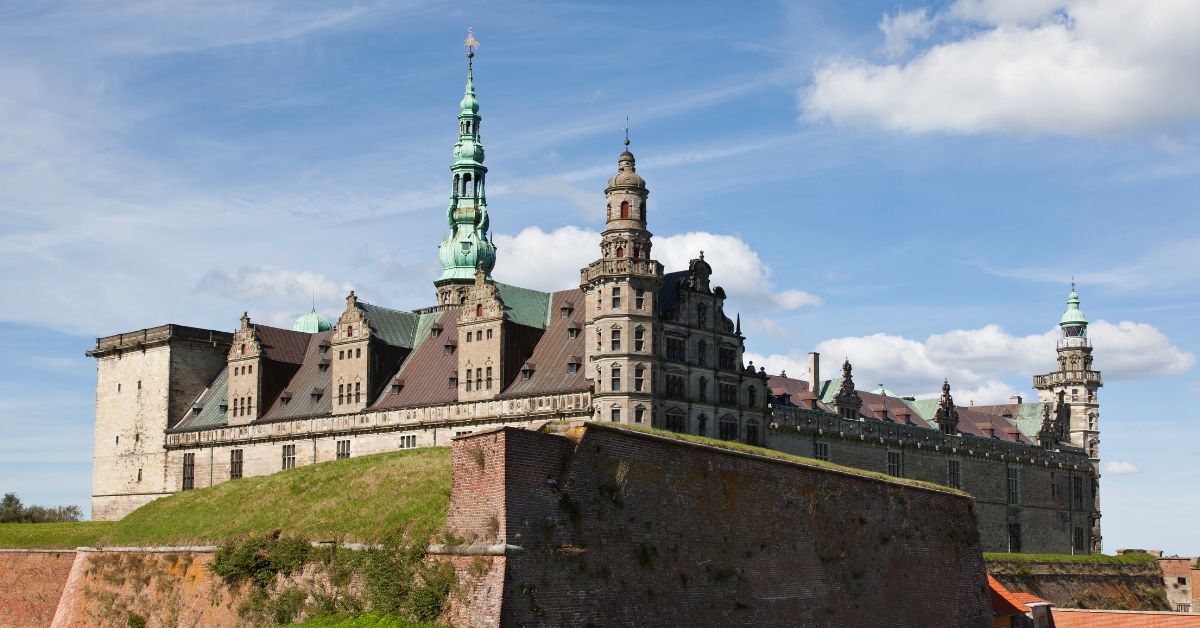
[(355, 500), (1136, 558)]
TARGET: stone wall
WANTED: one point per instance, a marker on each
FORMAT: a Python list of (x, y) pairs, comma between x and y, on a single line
[(1045, 509), (31, 583), (1179, 582), (618, 527), (1114, 586)]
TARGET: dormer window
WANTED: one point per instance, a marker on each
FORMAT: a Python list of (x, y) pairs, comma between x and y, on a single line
[(397, 385), (323, 365), (349, 331), (448, 348), (573, 331), (527, 371), (565, 310), (573, 364), (285, 397), (224, 407), (316, 394), (435, 330), (196, 409), (453, 380)]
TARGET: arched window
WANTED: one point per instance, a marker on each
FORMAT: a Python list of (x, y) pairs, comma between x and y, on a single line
[(728, 428), (479, 310), (624, 210), (620, 251), (702, 354), (456, 185), (752, 432), (466, 184)]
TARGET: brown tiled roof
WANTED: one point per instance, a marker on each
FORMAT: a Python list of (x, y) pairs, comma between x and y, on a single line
[(1080, 618), (797, 390), (282, 345), (310, 375), (1028, 598), (554, 351), (427, 370), (1002, 409), (897, 410), (1003, 602), (971, 421)]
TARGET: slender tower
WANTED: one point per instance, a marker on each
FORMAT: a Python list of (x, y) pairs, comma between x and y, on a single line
[(1076, 380), (620, 290), (467, 247)]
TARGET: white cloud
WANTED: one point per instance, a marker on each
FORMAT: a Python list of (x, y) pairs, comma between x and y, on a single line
[(1116, 467), (275, 291), (902, 29), (552, 260), (976, 361), (1071, 67)]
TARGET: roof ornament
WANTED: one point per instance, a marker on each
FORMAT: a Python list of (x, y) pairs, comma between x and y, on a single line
[(471, 43), (245, 320), (351, 300), (626, 132), (947, 414), (846, 396)]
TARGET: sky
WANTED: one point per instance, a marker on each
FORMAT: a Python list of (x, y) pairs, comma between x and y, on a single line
[(908, 186)]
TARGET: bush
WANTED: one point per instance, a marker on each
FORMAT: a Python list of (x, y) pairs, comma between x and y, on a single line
[(260, 559), (13, 511)]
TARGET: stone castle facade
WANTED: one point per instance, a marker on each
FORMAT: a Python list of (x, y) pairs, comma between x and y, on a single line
[(179, 408)]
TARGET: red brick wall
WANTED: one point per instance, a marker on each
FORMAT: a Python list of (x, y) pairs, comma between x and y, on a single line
[(30, 586), (639, 530)]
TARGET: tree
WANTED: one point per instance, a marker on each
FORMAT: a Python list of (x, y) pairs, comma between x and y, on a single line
[(11, 509)]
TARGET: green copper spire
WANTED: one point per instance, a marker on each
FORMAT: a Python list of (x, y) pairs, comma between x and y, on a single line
[(1073, 322), (467, 246)]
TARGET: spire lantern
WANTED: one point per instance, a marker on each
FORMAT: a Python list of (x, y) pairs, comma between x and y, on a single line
[(1073, 322)]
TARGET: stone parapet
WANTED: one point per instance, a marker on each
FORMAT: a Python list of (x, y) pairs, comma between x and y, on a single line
[(154, 336), (540, 407), (621, 267), (1062, 378)]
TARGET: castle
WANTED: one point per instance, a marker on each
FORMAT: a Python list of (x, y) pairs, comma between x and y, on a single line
[(179, 407)]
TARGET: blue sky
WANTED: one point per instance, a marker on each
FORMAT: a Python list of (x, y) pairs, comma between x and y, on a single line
[(912, 188)]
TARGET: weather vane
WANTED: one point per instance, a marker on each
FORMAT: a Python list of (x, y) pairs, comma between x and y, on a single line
[(627, 130), (470, 42)]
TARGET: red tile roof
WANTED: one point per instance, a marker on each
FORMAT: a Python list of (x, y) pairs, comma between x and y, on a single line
[(1003, 602), (1080, 618), (1028, 598), (282, 345)]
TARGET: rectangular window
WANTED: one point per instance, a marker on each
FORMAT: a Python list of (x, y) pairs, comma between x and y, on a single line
[(357, 392), (638, 414), (616, 378), (341, 355), (895, 463), (725, 358), (639, 339), (489, 333), (1014, 485), (469, 335), (727, 429), (616, 298), (821, 451), (235, 464), (1077, 492), (479, 335), (639, 378), (728, 394), (676, 388), (953, 474), (408, 441), (615, 414), (343, 449), (1078, 539), (675, 349), (489, 378), (572, 332), (189, 471), (639, 299), (572, 367), (289, 456), (616, 340), (340, 393), (453, 381), (139, 475), (479, 379)]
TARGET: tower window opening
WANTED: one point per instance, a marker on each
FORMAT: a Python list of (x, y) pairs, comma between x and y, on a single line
[(466, 183), (616, 297), (616, 340), (639, 379), (616, 378), (639, 296), (620, 251), (456, 185), (624, 210), (479, 310)]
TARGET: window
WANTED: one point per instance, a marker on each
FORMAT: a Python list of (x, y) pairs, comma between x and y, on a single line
[(478, 335), (1181, 581), (341, 355), (752, 432), (615, 415), (349, 330), (189, 471), (118, 387), (1077, 492), (616, 378), (343, 449), (953, 474), (616, 340), (727, 394), (639, 378), (702, 353), (340, 393), (624, 210), (357, 392), (701, 315), (479, 379), (751, 396), (725, 358), (489, 333), (1014, 537), (821, 451), (289, 456), (895, 461), (453, 381), (639, 339), (139, 475), (357, 353), (675, 349), (727, 429), (676, 422), (572, 332), (235, 464), (620, 251), (702, 425), (1074, 394), (703, 388), (639, 413), (467, 377), (489, 378), (1014, 485), (469, 335), (447, 349), (639, 297), (572, 367), (616, 297), (676, 387), (408, 441)]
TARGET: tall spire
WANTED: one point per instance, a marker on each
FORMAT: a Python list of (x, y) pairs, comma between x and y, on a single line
[(1073, 322), (467, 247)]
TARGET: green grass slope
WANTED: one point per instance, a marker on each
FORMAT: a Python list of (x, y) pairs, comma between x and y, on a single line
[(354, 500)]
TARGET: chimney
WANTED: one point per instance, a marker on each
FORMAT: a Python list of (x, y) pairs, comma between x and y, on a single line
[(814, 373), (1015, 399)]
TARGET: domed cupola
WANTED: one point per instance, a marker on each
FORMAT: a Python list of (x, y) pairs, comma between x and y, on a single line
[(312, 323), (627, 176), (1073, 322)]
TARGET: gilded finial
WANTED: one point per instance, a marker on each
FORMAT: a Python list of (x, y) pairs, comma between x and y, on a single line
[(470, 42)]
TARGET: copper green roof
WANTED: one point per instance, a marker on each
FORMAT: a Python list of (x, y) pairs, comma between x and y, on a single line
[(206, 410), (312, 323), (397, 328), (524, 306), (1073, 317)]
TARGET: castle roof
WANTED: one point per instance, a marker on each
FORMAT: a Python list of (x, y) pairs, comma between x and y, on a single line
[(312, 323)]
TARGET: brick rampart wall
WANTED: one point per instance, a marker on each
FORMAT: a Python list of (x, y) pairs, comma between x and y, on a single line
[(1086, 585), (623, 528), (31, 582)]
